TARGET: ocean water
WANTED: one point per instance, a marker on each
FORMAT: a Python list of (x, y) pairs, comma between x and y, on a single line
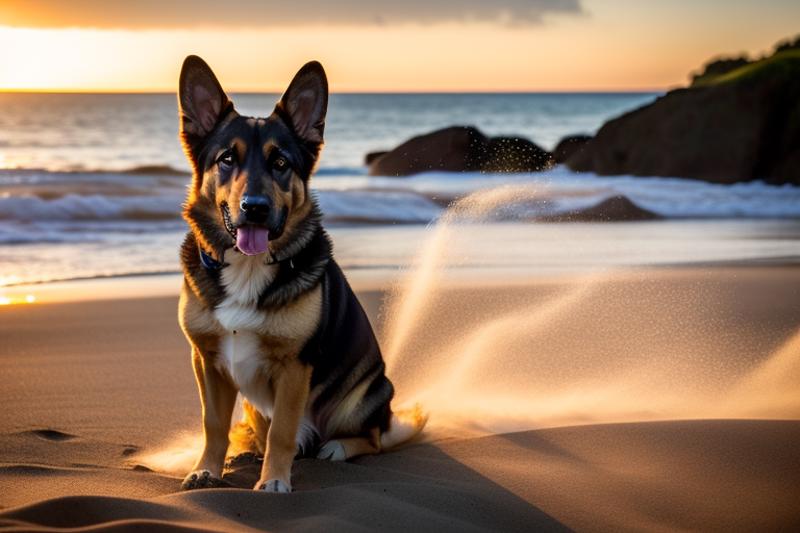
[(115, 132), (91, 185)]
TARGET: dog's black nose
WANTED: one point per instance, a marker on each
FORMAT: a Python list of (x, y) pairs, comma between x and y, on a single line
[(255, 208)]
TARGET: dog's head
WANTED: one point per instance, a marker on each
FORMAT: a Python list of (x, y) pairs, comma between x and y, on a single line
[(250, 187)]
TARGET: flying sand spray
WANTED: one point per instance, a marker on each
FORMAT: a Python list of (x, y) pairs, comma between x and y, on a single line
[(603, 347), (510, 353)]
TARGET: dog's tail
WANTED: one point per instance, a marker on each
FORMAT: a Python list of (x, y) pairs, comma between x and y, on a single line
[(404, 426)]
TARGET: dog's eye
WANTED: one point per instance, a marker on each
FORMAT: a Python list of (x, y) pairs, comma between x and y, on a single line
[(226, 159), (280, 164)]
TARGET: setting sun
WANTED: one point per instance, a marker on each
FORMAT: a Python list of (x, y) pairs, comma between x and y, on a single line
[(602, 45)]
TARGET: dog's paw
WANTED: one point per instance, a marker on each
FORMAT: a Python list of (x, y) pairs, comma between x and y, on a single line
[(333, 450), (201, 479), (273, 485)]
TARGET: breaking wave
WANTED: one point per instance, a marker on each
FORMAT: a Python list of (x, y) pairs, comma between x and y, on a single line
[(349, 196)]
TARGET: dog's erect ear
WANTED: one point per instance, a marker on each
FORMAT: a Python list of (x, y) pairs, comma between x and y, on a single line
[(201, 98), (305, 102)]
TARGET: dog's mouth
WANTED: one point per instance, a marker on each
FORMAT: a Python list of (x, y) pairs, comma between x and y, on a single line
[(226, 219), (251, 239)]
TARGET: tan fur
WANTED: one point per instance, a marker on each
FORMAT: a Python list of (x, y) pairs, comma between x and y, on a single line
[(275, 382), (290, 326), (297, 191), (267, 147), (250, 433), (217, 396), (291, 393), (356, 446), (238, 347)]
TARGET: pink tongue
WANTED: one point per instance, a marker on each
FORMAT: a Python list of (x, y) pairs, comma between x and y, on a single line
[(252, 240)]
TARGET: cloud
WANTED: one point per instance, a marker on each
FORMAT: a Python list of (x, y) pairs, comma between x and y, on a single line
[(143, 14)]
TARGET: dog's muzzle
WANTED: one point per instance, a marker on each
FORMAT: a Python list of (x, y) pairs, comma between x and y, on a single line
[(250, 238)]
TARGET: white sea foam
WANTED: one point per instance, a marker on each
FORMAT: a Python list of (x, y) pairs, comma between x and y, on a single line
[(356, 197), (90, 207), (560, 190), (377, 206)]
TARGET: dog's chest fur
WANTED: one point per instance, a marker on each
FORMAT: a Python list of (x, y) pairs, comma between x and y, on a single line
[(253, 341)]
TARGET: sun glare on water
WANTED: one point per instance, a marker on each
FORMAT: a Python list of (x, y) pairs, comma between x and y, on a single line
[(13, 300)]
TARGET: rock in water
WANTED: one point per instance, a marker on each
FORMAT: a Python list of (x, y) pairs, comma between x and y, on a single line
[(743, 125), (515, 154), (454, 149), (568, 146), (459, 149), (371, 157), (614, 209)]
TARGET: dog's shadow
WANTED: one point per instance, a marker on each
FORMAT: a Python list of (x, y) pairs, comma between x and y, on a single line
[(439, 488)]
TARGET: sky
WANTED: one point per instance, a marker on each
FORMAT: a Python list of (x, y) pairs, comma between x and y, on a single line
[(380, 45)]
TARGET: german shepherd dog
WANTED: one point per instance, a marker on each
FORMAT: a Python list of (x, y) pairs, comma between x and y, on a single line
[(264, 306)]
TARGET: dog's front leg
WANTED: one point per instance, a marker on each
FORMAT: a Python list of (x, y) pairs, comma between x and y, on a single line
[(218, 397), (291, 395)]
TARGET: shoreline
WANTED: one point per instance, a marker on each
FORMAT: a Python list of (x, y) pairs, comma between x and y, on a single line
[(380, 254), (164, 284)]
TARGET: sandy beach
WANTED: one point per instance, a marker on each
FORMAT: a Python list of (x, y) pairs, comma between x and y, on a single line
[(92, 389)]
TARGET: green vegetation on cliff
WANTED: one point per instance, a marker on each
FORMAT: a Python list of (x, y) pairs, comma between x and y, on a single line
[(782, 65)]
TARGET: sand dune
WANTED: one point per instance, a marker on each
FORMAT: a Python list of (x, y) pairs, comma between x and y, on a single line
[(90, 389)]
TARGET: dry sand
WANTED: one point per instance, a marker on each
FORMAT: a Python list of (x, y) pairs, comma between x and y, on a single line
[(88, 389)]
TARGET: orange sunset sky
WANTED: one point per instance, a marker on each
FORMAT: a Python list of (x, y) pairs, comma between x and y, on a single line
[(416, 45)]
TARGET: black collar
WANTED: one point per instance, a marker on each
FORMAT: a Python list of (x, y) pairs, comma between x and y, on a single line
[(209, 262)]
